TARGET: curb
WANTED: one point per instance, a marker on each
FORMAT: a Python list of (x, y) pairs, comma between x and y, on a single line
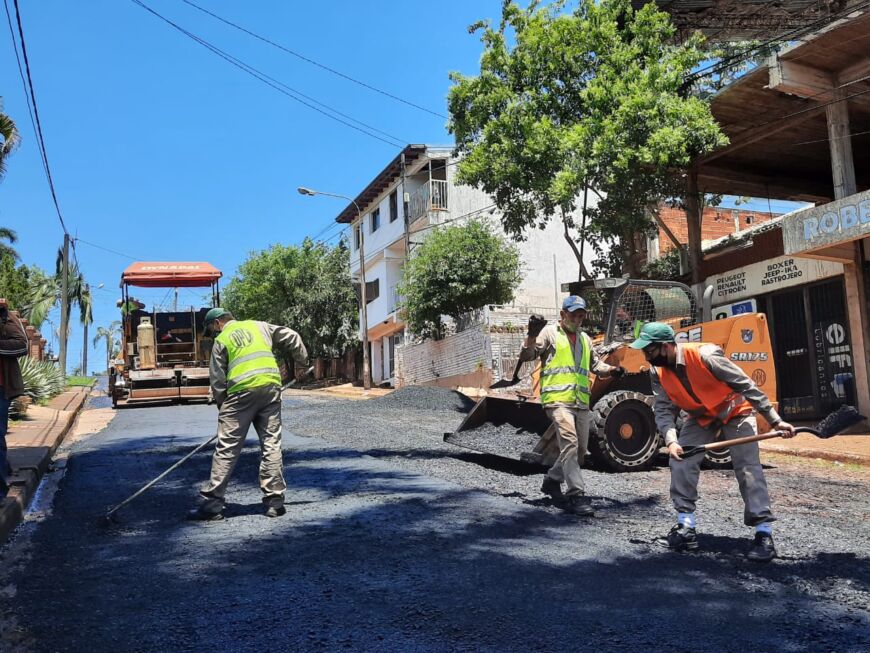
[(25, 479), (831, 456)]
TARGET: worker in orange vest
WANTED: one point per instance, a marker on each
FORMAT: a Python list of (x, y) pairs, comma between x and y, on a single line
[(717, 399)]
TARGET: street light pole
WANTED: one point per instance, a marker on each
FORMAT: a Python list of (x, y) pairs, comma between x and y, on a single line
[(367, 373)]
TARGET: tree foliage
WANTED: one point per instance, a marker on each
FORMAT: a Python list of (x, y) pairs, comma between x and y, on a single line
[(305, 287), (17, 281), (457, 269), (591, 98)]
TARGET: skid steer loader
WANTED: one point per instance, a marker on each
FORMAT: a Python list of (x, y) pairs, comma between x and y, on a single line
[(623, 435)]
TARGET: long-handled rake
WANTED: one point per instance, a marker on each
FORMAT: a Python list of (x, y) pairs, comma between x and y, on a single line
[(833, 424)]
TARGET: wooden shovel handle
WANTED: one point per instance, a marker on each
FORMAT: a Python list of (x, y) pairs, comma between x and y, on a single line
[(725, 444)]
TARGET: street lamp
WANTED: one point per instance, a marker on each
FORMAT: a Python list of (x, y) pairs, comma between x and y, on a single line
[(367, 375)]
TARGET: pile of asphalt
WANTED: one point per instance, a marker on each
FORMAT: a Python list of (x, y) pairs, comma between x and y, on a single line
[(425, 398), (503, 439)]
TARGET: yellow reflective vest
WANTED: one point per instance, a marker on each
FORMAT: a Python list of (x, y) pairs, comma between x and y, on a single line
[(562, 380), (250, 361)]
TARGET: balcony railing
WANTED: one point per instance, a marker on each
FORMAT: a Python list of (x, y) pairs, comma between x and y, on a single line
[(431, 196), (395, 298)]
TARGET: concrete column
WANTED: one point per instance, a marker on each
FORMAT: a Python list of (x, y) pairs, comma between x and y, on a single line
[(843, 172)]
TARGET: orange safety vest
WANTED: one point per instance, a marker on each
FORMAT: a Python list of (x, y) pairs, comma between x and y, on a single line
[(705, 397)]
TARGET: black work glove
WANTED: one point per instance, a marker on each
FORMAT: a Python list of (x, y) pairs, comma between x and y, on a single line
[(536, 324), (618, 372)]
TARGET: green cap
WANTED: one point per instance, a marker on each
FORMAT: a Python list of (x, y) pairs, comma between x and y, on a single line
[(652, 332), (214, 314)]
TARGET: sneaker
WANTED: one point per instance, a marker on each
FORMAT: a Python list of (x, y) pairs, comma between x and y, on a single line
[(579, 504), (553, 488), (680, 538), (276, 510), (762, 549)]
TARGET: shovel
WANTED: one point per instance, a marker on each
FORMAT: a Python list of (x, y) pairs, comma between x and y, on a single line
[(835, 423)]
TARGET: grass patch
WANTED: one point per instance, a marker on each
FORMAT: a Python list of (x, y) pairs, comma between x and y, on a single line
[(77, 381)]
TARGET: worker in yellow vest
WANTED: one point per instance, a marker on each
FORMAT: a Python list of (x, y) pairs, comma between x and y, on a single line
[(246, 386), (718, 399), (567, 358)]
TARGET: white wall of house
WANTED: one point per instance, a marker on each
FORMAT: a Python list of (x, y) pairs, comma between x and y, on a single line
[(547, 259)]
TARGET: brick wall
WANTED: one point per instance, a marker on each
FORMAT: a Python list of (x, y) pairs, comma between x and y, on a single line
[(460, 354), (492, 344), (717, 223)]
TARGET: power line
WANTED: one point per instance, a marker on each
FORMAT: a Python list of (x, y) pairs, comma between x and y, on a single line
[(276, 84), (312, 61), (32, 105), (106, 249)]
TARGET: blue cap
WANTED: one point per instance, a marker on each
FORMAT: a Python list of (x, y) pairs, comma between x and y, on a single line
[(574, 303)]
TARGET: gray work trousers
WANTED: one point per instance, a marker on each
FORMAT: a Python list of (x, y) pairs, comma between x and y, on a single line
[(572, 436), (262, 408), (747, 469)]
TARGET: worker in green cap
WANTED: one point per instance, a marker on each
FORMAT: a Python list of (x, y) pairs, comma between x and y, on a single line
[(246, 386), (718, 399)]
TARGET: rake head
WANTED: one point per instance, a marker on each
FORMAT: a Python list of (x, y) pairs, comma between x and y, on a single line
[(838, 421)]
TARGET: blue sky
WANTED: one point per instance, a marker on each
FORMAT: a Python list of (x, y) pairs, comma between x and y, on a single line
[(162, 151)]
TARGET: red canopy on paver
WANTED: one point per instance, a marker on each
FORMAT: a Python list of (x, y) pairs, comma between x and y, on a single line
[(158, 274)]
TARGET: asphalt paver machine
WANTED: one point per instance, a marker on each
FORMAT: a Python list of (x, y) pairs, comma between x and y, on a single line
[(623, 434), (164, 353)]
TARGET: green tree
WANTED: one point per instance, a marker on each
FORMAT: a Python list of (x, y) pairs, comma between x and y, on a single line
[(9, 140), (457, 269), (45, 294), (5, 249), (595, 98), (306, 287), (108, 336), (17, 281)]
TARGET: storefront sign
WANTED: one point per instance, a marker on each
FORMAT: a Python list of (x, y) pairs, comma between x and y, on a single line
[(767, 276), (830, 224)]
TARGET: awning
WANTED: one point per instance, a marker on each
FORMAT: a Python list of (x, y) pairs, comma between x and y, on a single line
[(152, 274)]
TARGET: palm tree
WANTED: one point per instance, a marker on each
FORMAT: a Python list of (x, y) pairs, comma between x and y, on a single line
[(10, 140), (108, 334), (46, 294), (9, 236)]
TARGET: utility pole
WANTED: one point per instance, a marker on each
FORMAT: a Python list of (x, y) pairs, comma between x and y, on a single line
[(175, 302), (64, 305), (85, 342)]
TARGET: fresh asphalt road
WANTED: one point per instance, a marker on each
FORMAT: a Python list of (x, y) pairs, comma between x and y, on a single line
[(374, 555)]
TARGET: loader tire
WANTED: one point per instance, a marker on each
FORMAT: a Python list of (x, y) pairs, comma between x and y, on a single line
[(623, 435), (717, 460)]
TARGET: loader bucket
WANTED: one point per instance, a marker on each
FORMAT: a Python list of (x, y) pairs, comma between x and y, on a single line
[(508, 428)]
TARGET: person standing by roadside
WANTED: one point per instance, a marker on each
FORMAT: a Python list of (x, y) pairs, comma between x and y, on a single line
[(719, 399), (246, 386), (13, 343), (567, 358)]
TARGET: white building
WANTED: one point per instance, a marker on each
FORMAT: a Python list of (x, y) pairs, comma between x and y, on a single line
[(397, 215)]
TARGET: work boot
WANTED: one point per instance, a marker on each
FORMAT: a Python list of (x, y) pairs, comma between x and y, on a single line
[(208, 510), (680, 538), (579, 504), (275, 506), (762, 549), (553, 488)]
